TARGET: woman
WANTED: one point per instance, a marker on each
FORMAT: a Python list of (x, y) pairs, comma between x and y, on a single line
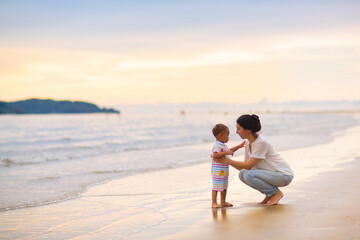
[(263, 169)]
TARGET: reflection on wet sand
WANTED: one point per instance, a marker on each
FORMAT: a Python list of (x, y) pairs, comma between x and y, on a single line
[(258, 213), (222, 217), (249, 220)]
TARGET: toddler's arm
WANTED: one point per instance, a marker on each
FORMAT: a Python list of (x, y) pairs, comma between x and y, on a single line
[(234, 149), (222, 154)]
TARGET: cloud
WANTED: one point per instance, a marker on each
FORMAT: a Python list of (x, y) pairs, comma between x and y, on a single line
[(217, 58)]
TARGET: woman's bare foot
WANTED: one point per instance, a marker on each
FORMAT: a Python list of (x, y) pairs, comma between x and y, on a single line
[(266, 199), (215, 205), (274, 199), (226, 204)]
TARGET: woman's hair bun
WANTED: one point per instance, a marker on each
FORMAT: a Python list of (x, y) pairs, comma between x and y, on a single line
[(257, 124), (256, 117)]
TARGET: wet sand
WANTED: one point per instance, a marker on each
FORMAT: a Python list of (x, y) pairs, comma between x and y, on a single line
[(328, 209), (321, 203)]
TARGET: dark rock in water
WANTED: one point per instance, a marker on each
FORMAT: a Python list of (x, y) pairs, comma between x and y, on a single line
[(43, 106)]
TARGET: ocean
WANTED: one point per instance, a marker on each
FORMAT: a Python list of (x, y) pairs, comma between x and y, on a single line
[(50, 158)]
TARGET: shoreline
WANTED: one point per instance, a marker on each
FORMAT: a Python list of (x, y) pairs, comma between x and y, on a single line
[(171, 205)]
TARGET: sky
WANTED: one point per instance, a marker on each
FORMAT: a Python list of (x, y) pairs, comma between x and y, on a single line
[(136, 52)]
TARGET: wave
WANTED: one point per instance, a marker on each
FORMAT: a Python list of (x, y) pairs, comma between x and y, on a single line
[(6, 162), (108, 172), (42, 155), (48, 178), (37, 141), (133, 149)]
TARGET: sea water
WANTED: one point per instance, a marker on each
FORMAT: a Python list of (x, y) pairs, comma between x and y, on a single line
[(51, 158)]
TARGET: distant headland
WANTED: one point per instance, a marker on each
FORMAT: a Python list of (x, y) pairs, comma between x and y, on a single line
[(45, 106)]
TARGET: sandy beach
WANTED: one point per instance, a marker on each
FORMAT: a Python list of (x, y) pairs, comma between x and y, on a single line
[(321, 203)]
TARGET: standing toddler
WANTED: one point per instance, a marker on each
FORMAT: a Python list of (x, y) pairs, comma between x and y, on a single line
[(220, 171)]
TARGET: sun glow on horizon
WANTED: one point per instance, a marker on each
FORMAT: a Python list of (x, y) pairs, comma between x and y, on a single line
[(205, 61)]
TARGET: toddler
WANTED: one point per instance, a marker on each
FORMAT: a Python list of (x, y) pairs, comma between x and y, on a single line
[(220, 171)]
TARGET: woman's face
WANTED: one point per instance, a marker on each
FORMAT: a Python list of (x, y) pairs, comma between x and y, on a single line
[(243, 133)]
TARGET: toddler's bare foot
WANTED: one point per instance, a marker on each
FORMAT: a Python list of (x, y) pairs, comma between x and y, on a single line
[(215, 205), (226, 204), (274, 199), (266, 199)]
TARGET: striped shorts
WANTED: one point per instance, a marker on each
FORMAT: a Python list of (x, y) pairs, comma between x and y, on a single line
[(220, 176)]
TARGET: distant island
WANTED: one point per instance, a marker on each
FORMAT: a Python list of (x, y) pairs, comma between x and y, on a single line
[(44, 106)]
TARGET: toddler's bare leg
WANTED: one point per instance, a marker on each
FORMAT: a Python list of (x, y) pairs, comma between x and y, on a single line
[(223, 198), (214, 200)]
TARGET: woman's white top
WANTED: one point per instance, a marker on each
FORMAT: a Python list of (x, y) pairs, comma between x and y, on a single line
[(262, 149)]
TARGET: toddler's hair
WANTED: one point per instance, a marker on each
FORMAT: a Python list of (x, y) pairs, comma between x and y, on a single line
[(219, 128)]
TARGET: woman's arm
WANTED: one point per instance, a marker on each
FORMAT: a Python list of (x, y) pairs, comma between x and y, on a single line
[(239, 164)]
